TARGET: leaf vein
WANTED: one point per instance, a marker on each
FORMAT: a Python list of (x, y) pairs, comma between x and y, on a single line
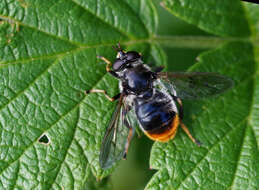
[(209, 150), (101, 19), (238, 159), (70, 143), (42, 31), (21, 92), (16, 176)]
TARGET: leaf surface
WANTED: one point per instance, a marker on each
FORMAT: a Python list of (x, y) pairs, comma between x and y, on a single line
[(51, 132)]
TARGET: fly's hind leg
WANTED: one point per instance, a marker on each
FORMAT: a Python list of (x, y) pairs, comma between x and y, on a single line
[(186, 130), (189, 134), (131, 131), (130, 135), (105, 94)]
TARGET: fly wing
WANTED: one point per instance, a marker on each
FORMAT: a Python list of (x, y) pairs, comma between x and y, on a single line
[(195, 85), (115, 138)]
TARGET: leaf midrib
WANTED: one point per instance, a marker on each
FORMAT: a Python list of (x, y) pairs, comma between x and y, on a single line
[(201, 42)]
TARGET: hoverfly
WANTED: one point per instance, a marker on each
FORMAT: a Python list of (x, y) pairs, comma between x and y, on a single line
[(152, 100)]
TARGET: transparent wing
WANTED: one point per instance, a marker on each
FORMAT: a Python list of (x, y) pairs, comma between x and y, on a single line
[(196, 84), (115, 138)]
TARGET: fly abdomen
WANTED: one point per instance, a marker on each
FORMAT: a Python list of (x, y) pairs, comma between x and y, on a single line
[(156, 112)]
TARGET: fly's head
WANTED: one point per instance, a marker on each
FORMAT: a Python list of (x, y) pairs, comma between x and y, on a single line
[(125, 60)]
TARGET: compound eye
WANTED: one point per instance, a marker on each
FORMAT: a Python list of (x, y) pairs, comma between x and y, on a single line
[(132, 55), (117, 64)]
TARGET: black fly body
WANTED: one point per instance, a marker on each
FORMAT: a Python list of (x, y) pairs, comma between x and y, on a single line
[(153, 99)]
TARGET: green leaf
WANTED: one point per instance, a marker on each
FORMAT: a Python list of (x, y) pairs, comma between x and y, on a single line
[(223, 18), (51, 131), (227, 126)]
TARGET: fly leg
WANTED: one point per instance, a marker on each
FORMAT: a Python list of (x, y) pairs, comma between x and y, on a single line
[(178, 100), (108, 66), (189, 134), (130, 134), (158, 69), (105, 94)]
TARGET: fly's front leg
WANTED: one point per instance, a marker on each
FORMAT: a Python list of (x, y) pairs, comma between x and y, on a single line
[(116, 97), (108, 66), (186, 130)]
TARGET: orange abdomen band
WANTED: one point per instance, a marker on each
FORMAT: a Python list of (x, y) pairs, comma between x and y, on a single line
[(162, 134)]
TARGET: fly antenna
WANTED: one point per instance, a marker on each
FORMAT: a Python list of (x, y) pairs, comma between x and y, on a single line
[(120, 52), (118, 47), (115, 48)]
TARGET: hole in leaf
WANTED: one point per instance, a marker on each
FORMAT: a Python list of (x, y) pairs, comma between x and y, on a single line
[(44, 139)]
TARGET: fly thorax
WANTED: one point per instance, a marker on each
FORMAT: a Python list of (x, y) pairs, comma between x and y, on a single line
[(138, 79)]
